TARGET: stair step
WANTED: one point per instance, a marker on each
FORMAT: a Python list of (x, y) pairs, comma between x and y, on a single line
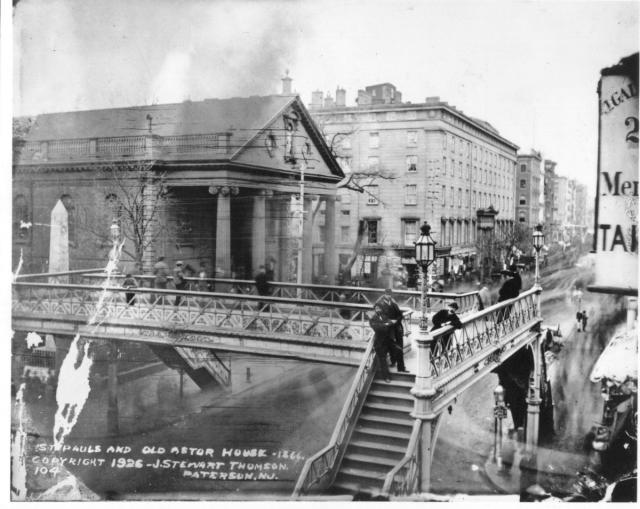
[(350, 487), (377, 446), (403, 409), (368, 462), (407, 423), (400, 396), (402, 437), (393, 385), (368, 476)]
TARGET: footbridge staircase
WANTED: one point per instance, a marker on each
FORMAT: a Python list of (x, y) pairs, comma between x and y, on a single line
[(385, 436)]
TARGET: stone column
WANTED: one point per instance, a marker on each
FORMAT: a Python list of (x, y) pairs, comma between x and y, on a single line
[(330, 253), (258, 232), (223, 227), (112, 390), (307, 241)]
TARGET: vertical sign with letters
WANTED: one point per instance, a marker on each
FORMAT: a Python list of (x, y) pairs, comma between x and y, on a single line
[(616, 217)]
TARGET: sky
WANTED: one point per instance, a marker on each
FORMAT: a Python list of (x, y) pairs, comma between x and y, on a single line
[(529, 68)]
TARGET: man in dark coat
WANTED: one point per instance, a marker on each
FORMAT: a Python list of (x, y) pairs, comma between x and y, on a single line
[(128, 283), (262, 285), (161, 273), (444, 317), (179, 280), (510, 289), (391, 310), (382, 339)]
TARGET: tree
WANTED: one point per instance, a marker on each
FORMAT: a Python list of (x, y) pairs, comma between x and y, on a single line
[(135, 196)]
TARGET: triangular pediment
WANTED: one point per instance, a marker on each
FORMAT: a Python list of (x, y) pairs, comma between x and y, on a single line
[(286, 142)]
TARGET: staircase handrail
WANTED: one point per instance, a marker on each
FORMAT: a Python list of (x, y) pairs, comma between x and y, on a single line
[(407, 483), (324, 461)]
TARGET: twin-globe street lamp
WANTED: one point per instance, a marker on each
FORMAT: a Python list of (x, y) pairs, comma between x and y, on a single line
[(425, 256)]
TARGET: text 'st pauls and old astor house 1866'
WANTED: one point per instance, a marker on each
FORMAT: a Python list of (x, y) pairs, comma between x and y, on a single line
[(214, 183), (416, 162)]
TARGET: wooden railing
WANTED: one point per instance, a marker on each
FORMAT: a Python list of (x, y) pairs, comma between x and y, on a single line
[(404, 478), (320, 470)]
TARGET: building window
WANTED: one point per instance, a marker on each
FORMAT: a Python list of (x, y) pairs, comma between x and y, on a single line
[(346, 214), (460, 169), (523, 167), (412, 163), (444, 195), (451, 198), (345, 234), (372, 231), (373, 163), (523, 200), (373, 194), (374, 140), (523, 183), (459, 197), (20, 214), (410, 231), (412, 138), (473, 203), (522, 218), (411, 194), (443, 232), (466, 198)]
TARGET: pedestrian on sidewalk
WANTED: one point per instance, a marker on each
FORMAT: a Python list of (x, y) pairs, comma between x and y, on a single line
[(391, 310), (447, 316), (179, 280), (578, 321), (585, 317), (382, 338)]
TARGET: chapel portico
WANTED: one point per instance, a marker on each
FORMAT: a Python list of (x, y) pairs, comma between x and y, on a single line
[(233, 169)]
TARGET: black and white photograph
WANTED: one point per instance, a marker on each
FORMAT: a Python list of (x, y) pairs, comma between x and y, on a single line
[(321, 251)]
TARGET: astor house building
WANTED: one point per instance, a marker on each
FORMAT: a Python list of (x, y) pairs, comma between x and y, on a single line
[(217, 182), (416, 162)]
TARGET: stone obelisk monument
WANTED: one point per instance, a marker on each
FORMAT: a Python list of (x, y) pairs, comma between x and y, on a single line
[(59, 239)]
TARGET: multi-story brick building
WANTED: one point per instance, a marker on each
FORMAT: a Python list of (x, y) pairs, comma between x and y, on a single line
[(550, 218), (528, 181), (416, 162)]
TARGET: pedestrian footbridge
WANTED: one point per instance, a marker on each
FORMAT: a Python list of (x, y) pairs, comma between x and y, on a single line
[(312, 322), (384, 438)]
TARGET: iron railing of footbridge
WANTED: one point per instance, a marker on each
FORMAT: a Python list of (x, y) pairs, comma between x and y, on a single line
[(453, 354), (326, 293), (295, 317)]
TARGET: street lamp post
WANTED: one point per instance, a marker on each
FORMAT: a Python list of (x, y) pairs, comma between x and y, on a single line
[(499, 413), (425, 256), (538, 242), (486, 222)]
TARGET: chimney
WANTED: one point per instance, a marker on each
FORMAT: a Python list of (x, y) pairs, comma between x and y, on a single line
[(328, 101), (316, 99), (363, 99), (286, 84), (341, 97), (432, 100)]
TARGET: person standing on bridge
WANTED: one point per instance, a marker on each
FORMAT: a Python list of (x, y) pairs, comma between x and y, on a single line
[(129, 283), (161, 273), (391, 310), (444, 317), (510, 289), (382, 339), (262, 286), (179, 280)]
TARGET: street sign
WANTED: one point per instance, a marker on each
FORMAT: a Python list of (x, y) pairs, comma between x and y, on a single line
[(500, 412)]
